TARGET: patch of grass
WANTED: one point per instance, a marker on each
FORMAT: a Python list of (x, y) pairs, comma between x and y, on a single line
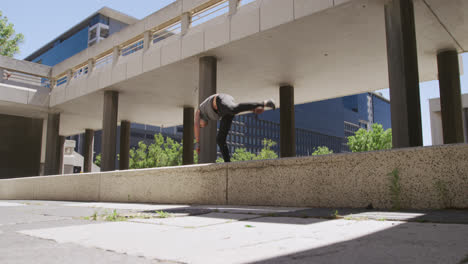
[(163, 214), (348, 218), (395, 189), (94, 216), (382, 219), (249, 226), (464, 261), (421, 220), (115, 217)]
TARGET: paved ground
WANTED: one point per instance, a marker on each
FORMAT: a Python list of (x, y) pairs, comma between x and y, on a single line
[(69, 232)]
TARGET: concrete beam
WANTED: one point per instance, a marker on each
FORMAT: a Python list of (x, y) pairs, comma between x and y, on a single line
[(450, 96), (52, 160), (207, 87), (233, 5), (287, 122), (465, 118), (109, 130), (403, 73), (124, 145), (187, 157), (88, 150), (25, 66)]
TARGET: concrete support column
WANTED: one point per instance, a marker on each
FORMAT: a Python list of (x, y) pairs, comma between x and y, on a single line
[(233, 5), (109, 130), (124, 145), (450, 96), (52, 158), (146, 40), (185, 23), (91, 63), (88, 147), (2, 75), (403, 73), (287, 122), (69, 76), (61, 153), (465, 118), (115, 55), (187, 157), (207, 87)]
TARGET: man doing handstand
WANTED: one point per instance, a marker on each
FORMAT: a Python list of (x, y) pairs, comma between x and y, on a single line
[(223, 106)]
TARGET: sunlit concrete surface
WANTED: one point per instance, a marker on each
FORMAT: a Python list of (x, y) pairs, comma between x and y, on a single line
[(227, 234)]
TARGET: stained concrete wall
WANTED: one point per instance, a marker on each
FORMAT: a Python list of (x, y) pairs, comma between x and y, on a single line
[(20, 147), (430, 177)]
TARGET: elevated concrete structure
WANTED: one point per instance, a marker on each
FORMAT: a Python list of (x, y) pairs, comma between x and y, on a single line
[(341, 180), (304, 43)]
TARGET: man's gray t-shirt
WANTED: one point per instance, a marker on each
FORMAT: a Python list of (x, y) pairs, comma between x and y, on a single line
[(206, 109)]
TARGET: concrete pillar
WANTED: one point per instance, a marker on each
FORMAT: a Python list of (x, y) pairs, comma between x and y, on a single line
[(207, 87), (109, 130), (403, 73), (450, 96), (91, 63), (465, 118), (88, 147), (61, 153), (185, 23), (146, 40), (187, 157), (124, 145), (233, 5), (287, 122), (52, 159), (69, 76), (115, 55), (2, 75)]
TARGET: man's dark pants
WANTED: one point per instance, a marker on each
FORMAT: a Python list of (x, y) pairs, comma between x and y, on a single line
[(228, 108)]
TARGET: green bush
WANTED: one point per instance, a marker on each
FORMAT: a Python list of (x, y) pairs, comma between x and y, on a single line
[(322, 151), (374, 139)]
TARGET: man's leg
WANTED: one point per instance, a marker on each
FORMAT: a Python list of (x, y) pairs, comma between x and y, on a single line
[(224, 127), (228, 105)]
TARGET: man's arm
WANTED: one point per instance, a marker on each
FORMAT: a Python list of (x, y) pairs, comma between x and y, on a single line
[(196, 129)]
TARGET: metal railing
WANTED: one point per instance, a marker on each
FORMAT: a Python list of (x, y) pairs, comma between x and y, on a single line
[(80, 72), (213, 11), (132, 48), (166, 32), (104, 60), (25, 78)]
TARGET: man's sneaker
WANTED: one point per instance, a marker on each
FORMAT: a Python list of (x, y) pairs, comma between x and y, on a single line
[(270, 103)]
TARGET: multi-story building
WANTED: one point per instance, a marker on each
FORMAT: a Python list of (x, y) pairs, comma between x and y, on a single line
[(324, 123)]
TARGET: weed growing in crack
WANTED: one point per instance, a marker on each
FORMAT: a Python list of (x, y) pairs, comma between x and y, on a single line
[(163, 214), (395, 188)]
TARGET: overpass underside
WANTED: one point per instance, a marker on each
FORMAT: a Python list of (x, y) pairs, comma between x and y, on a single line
[(315, 49)]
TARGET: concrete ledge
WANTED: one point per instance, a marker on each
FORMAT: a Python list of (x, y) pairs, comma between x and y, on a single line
[(355, 179), (430, 178), (198, 184)]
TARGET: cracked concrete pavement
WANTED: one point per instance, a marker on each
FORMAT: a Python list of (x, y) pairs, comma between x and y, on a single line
[(65, 232)]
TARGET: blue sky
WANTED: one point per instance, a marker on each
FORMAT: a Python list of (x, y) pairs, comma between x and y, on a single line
[(42, 21)]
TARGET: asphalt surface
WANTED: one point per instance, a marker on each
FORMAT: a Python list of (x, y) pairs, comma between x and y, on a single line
[(74, 232)]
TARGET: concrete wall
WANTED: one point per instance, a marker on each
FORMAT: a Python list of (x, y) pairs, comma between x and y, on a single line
[(20, 148), (431, 177)]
